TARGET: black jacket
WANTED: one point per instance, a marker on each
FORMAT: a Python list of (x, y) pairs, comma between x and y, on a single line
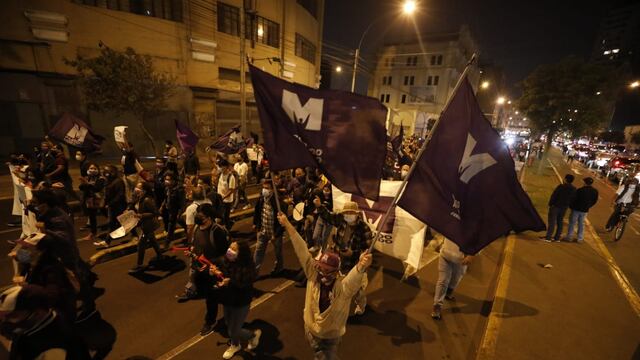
[(278, 230), (212, 243), (115, 196), (239, 291), (148, 214), (585, 198), (562, 196)]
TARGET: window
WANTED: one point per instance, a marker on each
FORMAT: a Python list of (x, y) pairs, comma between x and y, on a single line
[(409, 61), (436, 79), (228, 19), (412, 61), (310, 5), (406, 80), (263, 31), (404, 98), (411, 79), (433, 80), (439, 59), (382, 98), (163, 9), (433, 59), (386, 62), (389, 80), (429, 80), (386, 98), (305, 49)]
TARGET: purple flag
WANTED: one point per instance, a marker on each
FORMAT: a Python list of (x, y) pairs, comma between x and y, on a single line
[(231, 142), (464, 184), (343, 134), (187, 138), (74, 132)]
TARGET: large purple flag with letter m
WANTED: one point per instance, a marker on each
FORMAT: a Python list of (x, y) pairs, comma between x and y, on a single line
[(464, 184), (341, 133)]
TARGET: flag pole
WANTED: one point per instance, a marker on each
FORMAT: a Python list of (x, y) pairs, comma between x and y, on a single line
[(424, 146)]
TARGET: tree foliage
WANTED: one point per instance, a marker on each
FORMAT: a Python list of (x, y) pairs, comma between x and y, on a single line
[(552, 93), (123, 82), (635, 138)]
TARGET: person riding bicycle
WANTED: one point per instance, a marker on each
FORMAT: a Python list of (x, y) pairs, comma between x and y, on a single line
[(627, 199)]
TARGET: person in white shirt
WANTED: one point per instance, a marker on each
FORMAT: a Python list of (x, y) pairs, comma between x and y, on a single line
[(242, 169), (452, 266), (627, 199), (227, 187), (197, 195)]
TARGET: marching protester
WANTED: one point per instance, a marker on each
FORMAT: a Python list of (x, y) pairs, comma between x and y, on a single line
[(83, 162), (159, 191), (191, 164), (351, 237), (174, 201), (92, 185), (584, 199), (130, 167), (198, 199), (115, 201), (328, 294), (227, 186), (558, 203), (238, 273), (626, 201), (322, 228), (242, 169), (147, 213), (209, 241), (267, 228), (452, 265), (171, 155)]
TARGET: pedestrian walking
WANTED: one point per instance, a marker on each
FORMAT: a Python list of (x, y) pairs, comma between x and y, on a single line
[(227, 186), (174, 201), (558, 204), (585, 198), (328, 295), (115, 201), (92, 185), (236, 291), (242, 169), (267, 228), (191, 164), (171, 155), (452, 265), (147, 213)]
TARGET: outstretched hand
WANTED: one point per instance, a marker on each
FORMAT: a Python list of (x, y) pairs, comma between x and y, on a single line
[(365, 261), (282, 219)]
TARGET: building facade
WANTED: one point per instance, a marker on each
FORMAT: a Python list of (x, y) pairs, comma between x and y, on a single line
[(196, 41), (415, 81)]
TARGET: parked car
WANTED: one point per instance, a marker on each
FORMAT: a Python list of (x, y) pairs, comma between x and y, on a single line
[(622, 166)]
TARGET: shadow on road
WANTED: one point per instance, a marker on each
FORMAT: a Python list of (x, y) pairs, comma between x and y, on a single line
[(270, 342), (98, 335), (169, 266)]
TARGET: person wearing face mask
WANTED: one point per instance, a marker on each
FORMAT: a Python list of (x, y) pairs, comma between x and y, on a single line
[(322, 228), (236, 291), (197, 196), (83, 162), (46, 159), (174, 201), (404, 171), (115, 200), (298, 185), (268, 230), (227, 186), (626, 201), (351, 237), (171, 154), (147, 213), (210, 241), (91, 186), (328, 294)]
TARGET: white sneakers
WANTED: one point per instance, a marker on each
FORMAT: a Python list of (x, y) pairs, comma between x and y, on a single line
[(231, 351), (253, 343)]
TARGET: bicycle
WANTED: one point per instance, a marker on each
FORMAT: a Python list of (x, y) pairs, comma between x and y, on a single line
[(618, 229)]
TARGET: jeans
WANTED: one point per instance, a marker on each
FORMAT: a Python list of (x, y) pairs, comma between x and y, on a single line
[(576, 217), (556, 217), (321, 233), (361, 296), (226, 213), (144, 240), (261, 248), (323, 349), (449, 275), (234, 317)]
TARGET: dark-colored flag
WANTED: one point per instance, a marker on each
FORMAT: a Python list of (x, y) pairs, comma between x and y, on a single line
[(231, 142), (397, 141), (74, 132), (464, 184), (187, 138), (343, 134)]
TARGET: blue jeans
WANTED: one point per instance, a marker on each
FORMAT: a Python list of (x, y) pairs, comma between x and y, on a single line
[(449, 275), (235, 316), (576, 217), (323, 349), (261, 248)]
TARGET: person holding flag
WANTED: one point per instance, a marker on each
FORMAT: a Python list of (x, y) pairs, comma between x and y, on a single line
[(328, 295)]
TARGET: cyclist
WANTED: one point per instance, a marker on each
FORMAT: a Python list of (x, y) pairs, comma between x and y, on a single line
[(627, 199)]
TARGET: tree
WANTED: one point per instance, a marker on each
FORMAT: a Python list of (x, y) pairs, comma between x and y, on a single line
[(616, 137), (124, 82), (570, 95), (635, 138)]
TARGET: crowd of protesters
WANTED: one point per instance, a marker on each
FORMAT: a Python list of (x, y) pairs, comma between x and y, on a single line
[(54, 289)]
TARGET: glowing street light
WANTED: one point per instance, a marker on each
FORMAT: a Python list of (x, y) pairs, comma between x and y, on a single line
[(634, 84), (338, 69), (409, 7), (485, 85), (260, 31), (501, 100), (509, 102), (517, 112), (598, 92)]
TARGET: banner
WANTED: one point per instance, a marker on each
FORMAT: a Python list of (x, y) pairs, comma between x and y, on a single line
[(74, 132), (186, 138), (120, 136), (231, 142), (403, 235)]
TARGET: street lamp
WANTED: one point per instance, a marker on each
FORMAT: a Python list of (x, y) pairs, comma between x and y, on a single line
[(338, 69), (501, 100), (408, 8), (634, 84), (485, 85)]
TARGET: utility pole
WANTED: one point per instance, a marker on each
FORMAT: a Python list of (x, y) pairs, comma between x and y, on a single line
[(243, 59), (355, 67)]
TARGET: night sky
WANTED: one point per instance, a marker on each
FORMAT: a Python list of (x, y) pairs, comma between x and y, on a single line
[(517, 35)]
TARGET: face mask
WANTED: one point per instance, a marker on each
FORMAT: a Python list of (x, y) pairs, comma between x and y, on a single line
[(350, 218), (326, 279), (79, 157), (199, 219), (404, 173), (231, 255), (107, 175), (23, 256), (93, 172), (266, 192), (167, 183)]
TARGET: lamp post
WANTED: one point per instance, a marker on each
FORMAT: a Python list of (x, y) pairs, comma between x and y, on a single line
[(408, 8)]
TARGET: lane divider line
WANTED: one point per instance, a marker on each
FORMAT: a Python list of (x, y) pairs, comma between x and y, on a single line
[(621, 279)]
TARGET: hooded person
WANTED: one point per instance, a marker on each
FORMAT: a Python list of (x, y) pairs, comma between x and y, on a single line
[(328, 294)]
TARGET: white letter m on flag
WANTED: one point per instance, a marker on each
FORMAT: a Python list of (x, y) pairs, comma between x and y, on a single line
[(471, 165), (309, 115)]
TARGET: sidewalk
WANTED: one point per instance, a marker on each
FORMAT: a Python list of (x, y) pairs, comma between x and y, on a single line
[(580, 310)]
